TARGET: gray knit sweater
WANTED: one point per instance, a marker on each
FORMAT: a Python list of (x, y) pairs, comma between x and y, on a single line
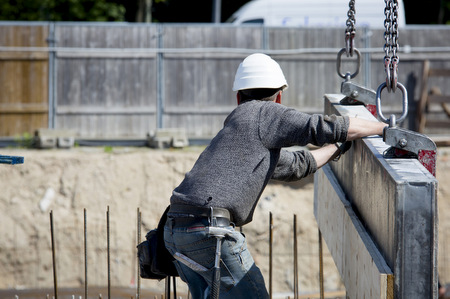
[(234, 169)]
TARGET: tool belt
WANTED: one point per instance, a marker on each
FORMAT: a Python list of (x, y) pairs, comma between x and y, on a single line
[(155, 261), (221, 216)]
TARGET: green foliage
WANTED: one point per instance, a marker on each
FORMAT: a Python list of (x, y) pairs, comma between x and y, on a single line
[(61, 10), (24, 141), (108, 149), (113, 10)]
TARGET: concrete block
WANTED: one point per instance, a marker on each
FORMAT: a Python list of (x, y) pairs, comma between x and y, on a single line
[(51, 138), (45, 142), (160, 142), (171, 137), (65, 142)]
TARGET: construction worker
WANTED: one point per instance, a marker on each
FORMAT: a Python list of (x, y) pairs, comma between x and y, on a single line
[(226, 182)]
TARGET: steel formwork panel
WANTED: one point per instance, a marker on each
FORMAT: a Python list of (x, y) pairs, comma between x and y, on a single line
[(396, 200)]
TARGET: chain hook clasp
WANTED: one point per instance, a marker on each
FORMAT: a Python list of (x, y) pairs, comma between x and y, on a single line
[(391, 69), (394, 73), (387, 69), (350, 42)]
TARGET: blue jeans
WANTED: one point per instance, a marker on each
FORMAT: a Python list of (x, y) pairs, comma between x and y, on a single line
[(240, 277)]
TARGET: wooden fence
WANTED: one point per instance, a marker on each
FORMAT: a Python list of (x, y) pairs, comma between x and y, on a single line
[(120, 80), (23, 80)]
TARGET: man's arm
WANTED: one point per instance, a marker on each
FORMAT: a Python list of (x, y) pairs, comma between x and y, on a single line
[(325, 154), (359, 127)]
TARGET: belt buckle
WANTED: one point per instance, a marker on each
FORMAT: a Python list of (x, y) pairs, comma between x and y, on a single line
[(217, 221), (211, 218)]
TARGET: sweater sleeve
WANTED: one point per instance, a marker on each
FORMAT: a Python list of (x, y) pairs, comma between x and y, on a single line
[(293, 166), (280, 126)]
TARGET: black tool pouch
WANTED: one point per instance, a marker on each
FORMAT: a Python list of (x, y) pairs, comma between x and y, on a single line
[(155, 261)]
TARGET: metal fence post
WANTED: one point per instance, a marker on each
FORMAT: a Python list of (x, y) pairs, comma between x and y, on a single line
[(160, 79), (265, 38), (217, 11), (367, 36)]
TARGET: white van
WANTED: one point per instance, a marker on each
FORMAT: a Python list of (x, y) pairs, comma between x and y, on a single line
[(313, 13)]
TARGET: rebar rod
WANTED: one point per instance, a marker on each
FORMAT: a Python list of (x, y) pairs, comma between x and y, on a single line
[(270, 253), (322, 296), (85, 257), (174, 288), (167, 287), (138, 279), (295, 259), (108, 254), (55, 281)]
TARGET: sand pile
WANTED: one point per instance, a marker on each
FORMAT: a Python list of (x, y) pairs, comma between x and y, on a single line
[(67, 182)]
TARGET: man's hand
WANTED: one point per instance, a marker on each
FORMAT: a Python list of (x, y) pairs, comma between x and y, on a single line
[(361, 128)]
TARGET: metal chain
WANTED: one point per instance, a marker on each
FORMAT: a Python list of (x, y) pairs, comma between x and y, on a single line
[(350, 31), (391, 63), (349, 49), (391, 59), (387, 26)]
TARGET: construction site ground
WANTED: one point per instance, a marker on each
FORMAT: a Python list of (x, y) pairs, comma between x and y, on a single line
[(123, 179)]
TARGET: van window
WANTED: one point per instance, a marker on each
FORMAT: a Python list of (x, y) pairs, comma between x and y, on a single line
[(231, 19), (254, 21)]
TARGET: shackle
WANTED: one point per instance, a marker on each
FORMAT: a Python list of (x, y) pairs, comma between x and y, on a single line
[(392, 119)]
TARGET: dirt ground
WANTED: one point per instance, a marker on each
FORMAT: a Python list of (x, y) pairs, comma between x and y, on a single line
[(96, 183)]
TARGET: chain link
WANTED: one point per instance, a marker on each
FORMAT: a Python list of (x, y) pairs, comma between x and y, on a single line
[(350, 31), (391, 59)]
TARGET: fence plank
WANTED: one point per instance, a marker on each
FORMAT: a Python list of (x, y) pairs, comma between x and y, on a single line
[(23, 81)]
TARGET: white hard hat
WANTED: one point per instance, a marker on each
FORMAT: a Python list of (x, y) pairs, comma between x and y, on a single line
[(259, 71)]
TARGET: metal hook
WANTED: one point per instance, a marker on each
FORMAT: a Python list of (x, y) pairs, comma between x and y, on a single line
[(350, 43), (392, 120), (394, 73), (387, 69)]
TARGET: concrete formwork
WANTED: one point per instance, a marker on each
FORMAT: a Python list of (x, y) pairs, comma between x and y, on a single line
[(395, 206)]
